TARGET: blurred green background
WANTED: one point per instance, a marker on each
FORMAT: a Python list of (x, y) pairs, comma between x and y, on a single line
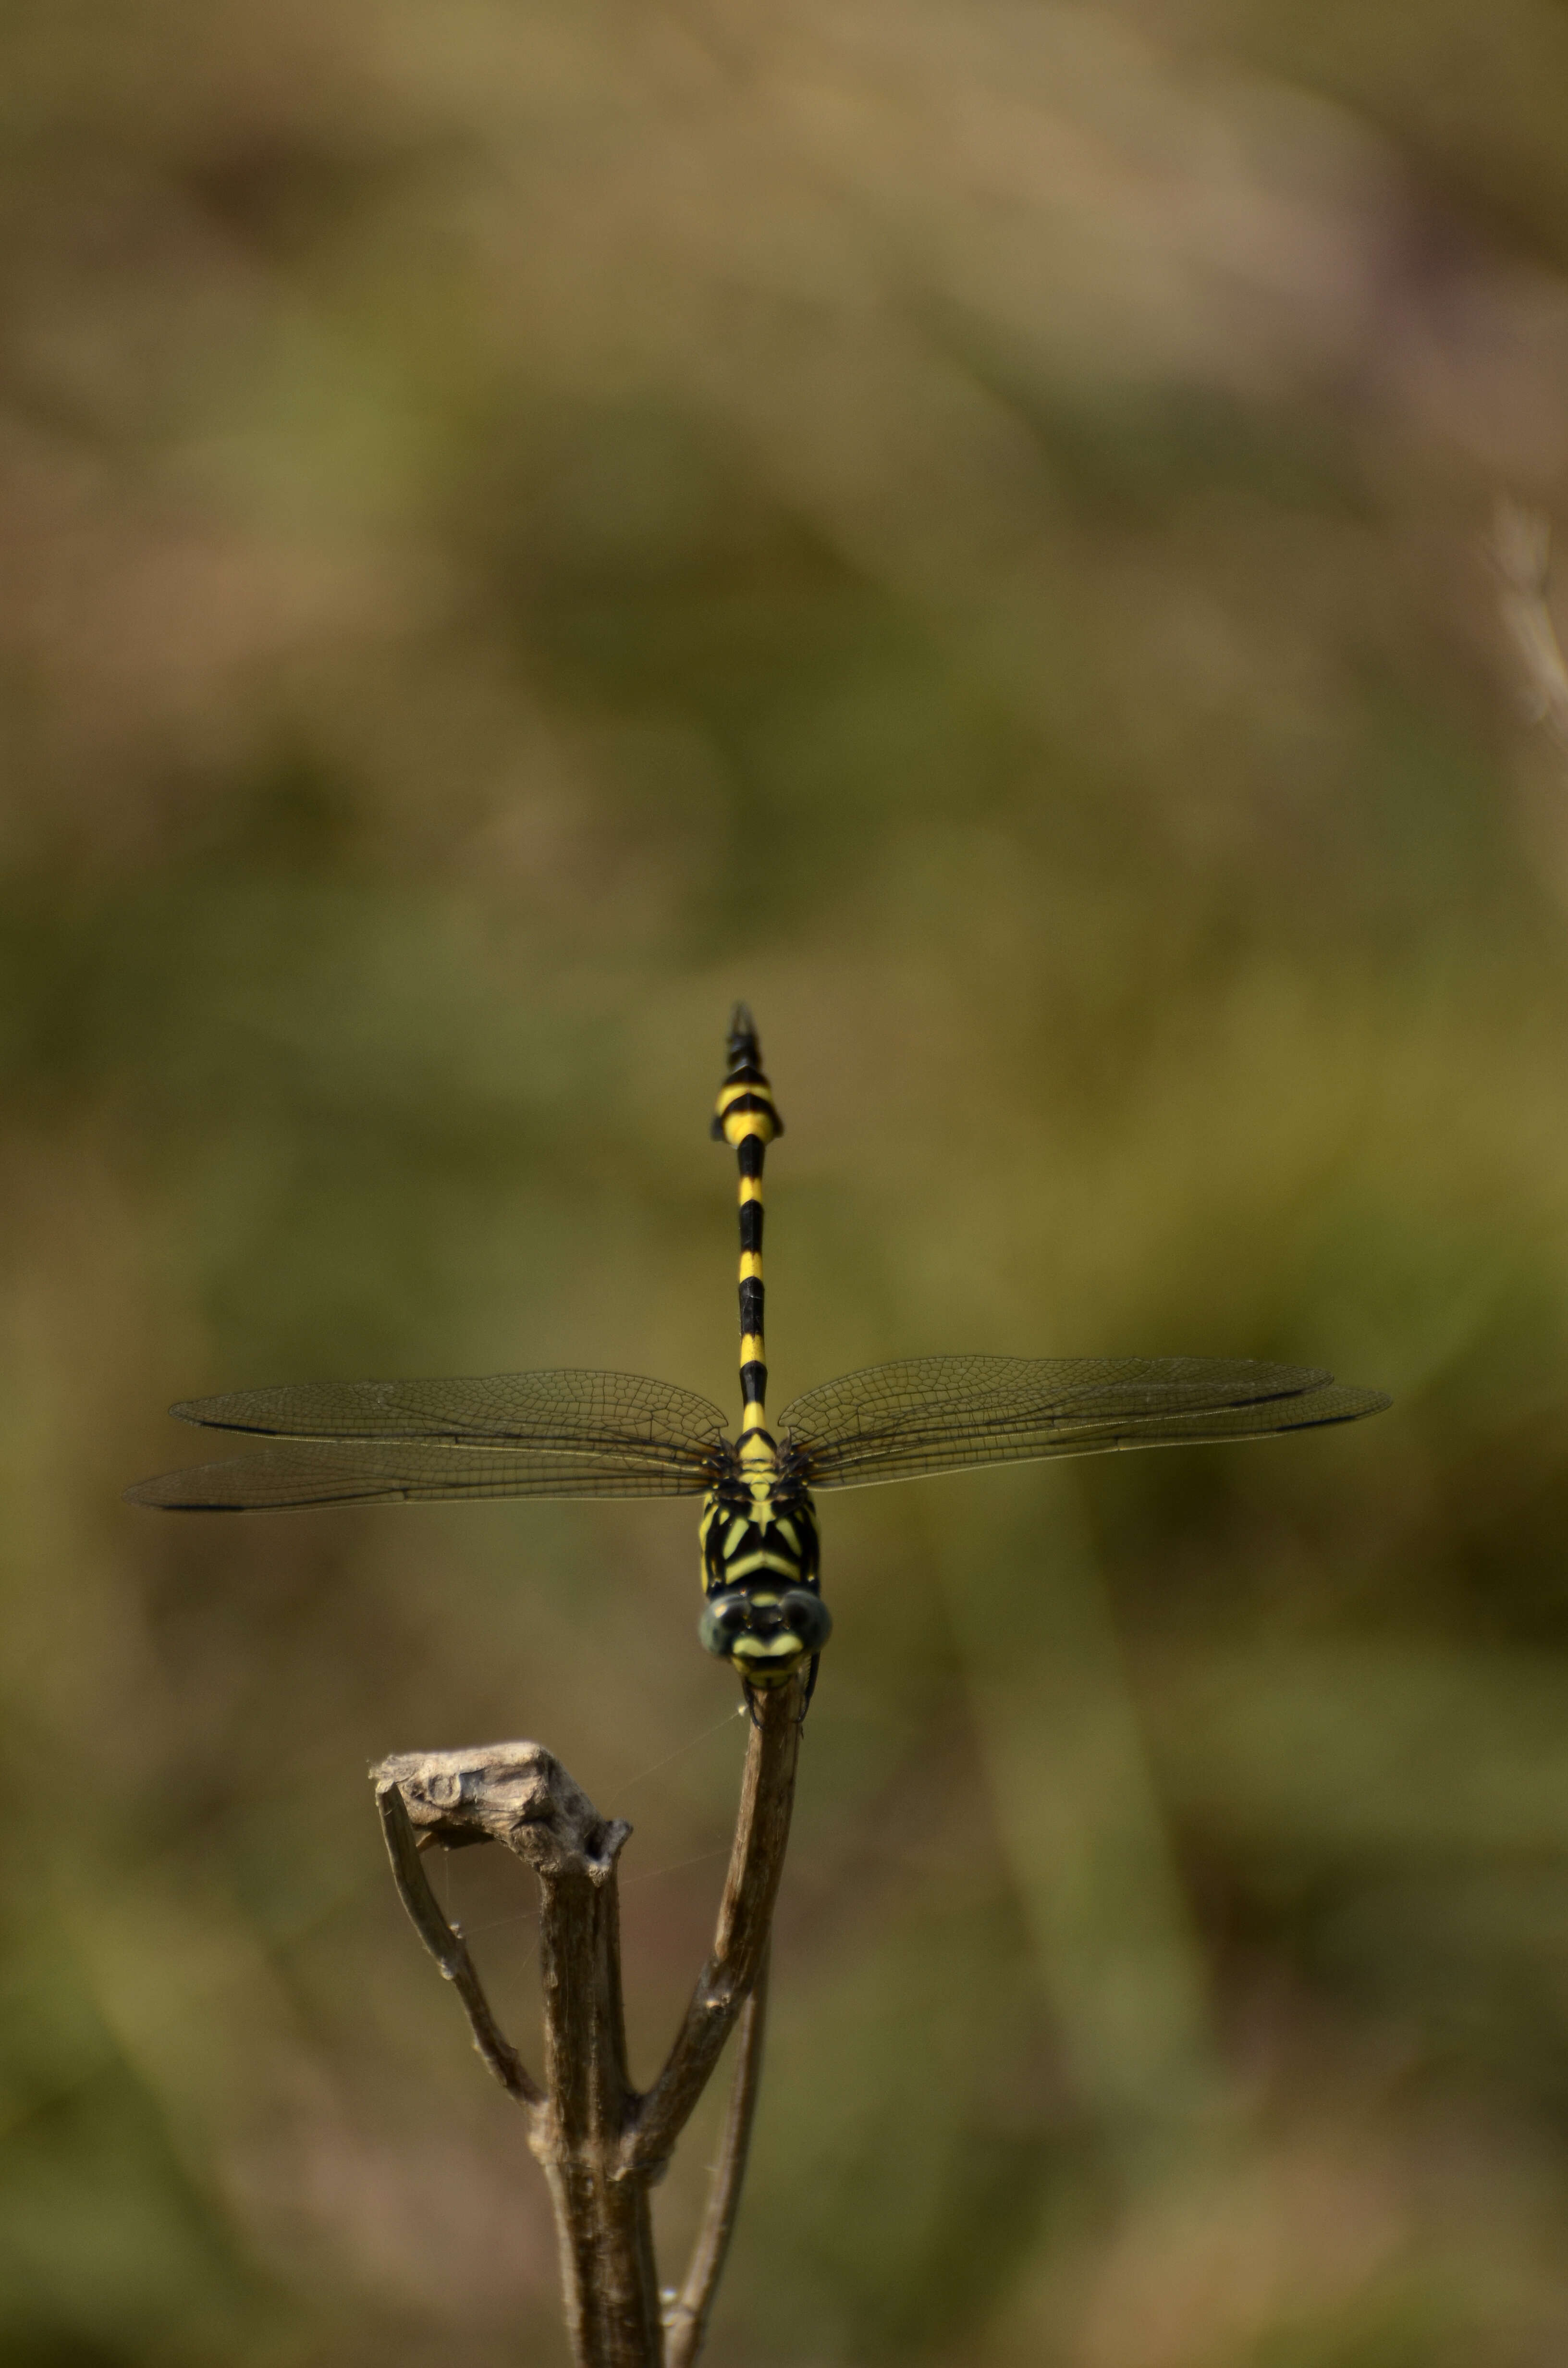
[(965, 522)]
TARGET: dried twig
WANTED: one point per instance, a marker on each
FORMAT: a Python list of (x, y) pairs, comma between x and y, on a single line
[(449, 1949), (745, 1918), (602, 2145), (685, 2319), (1521, 547)]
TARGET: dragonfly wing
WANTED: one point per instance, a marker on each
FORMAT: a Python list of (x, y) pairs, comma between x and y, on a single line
[(571, 1412), (295, 1474), (550, 1434), (948, 1414)]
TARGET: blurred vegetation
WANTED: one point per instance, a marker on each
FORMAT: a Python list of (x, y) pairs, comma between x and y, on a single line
[(965, 525)]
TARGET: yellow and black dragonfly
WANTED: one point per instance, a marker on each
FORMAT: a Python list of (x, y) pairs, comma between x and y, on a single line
[(590, 1434)]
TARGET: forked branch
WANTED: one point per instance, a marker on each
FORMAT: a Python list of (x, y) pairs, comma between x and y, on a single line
[(602, 2145)]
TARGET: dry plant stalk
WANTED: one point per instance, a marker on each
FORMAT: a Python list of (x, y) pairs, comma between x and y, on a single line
[(602, 2146), (1521, 547)]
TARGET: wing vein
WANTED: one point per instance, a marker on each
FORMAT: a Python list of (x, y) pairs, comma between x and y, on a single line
[(929, 1414)]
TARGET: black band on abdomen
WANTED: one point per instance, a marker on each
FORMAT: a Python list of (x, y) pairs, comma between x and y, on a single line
[(754, 1385), (749, 1151), (751, 1305), (750, 1105), (751, 1226)]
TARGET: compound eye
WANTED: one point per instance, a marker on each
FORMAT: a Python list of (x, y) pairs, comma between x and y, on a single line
[(807, 1617), (724, 1619)]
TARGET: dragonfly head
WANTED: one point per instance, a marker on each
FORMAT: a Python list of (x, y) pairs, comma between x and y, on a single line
[(766, 1634)]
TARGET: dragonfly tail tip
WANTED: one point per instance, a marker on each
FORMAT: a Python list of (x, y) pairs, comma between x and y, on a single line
[(742, 1039)]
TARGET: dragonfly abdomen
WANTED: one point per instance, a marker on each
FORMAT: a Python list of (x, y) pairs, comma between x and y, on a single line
[(747, 1118)]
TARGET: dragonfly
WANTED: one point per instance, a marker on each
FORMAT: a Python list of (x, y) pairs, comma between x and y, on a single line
[(586, 1434)]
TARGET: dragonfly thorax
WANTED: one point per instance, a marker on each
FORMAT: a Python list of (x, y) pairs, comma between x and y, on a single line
[(758, 1528), (758, 1536)]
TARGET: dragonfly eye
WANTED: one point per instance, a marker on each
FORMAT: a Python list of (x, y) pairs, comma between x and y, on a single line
[(807, 1617), (724, 1619)]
